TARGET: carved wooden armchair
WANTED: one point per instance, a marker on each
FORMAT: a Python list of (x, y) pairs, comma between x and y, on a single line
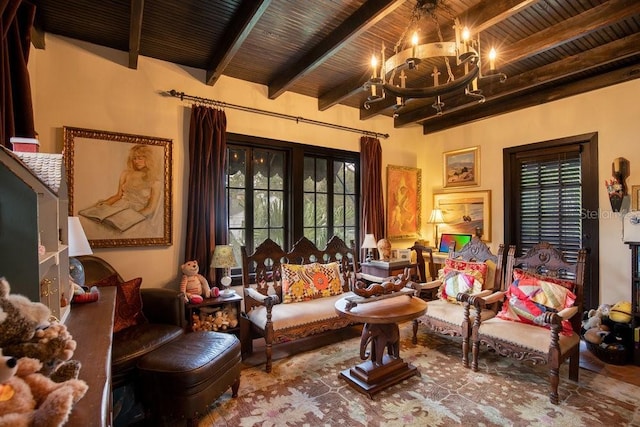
[(445, 314), (541, 314)]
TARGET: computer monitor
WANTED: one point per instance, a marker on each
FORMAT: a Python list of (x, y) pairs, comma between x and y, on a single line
[(450, 241)]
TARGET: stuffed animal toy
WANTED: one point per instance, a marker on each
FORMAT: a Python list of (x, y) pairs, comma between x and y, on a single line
[(231, 314), (28, 398), (220, 323), (193, 286), (25, 331), (621, 312)]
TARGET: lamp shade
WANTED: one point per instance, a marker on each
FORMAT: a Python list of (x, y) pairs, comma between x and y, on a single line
[(223, 257), (369, 242), (78, 243), (436, 217)]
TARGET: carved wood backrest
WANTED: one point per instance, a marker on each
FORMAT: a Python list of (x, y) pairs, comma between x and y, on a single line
[(545, 260), (262, 269), (478, 251)]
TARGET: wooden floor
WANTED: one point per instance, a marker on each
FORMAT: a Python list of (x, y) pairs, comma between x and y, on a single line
[(627, 373)]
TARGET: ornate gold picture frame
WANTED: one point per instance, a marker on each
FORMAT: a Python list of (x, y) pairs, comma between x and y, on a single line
[(461, 167), (404, 189), (466, 212), (119, 187)]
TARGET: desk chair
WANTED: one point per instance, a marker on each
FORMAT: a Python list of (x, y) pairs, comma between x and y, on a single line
[(424, 256)]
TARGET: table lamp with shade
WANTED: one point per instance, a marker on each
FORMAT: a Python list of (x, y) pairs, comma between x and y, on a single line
[(78, 245), (223, 258), (436, 218), (369, 243)]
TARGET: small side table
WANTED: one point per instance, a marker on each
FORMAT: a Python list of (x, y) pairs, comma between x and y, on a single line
[(381, 330), (216, 304)]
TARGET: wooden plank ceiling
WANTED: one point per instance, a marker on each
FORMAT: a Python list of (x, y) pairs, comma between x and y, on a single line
[(549, 49)]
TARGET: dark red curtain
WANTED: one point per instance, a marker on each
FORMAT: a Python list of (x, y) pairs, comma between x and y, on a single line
[(17, 109), (207, 206), (372, 219)]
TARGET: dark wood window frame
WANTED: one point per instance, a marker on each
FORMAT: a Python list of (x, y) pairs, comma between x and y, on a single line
[(588, 146), (294, 228)]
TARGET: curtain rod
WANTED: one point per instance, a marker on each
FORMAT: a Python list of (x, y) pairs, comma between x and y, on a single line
[(297, 119)]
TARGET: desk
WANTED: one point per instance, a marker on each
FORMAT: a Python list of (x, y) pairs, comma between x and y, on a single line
[(91, 325), (379, 271), (381, 330)]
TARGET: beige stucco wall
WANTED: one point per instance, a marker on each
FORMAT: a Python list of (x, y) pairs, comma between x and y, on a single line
[(611, 112), (83, 85)]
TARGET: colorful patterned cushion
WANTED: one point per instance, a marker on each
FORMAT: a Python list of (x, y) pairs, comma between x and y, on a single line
[(461, 276), (128, 310), (519, 274), (455, 282), (310, 281), (529, 297)]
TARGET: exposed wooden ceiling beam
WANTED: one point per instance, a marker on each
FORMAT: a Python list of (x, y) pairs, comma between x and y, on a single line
[(342, 92), (523, 100), (570, 29), (364, 18), (420, 110), (239, 28), (135, 30)]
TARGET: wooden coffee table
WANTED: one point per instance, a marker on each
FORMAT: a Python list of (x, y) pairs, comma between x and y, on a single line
[(381, 332)]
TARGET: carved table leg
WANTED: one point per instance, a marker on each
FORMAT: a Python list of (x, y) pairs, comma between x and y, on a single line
[(380, 370)]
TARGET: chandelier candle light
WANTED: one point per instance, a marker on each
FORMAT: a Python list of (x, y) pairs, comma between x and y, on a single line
[(405, 61), (223, 258), (369, 243)]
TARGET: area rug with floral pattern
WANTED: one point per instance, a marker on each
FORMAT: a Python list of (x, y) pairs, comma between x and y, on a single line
[(305, 390)]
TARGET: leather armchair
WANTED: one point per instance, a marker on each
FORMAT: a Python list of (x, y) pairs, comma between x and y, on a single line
[(165, 321)]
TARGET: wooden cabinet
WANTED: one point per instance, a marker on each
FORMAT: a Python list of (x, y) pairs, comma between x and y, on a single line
[(33, 227)]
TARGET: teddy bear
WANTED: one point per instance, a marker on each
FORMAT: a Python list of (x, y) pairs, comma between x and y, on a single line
[(231, 314), (219, 321), (28, 398), (25, 331), (194, 286)]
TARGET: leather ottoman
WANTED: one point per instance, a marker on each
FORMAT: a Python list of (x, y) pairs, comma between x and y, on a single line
[(181, 379)]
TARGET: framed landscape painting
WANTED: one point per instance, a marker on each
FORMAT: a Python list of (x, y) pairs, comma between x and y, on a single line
[(462, 167), (404, 186), (119, 187), (466, 212)]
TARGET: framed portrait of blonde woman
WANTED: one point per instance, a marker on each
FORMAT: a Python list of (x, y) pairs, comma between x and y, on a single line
[(119, 187), (404, 186)]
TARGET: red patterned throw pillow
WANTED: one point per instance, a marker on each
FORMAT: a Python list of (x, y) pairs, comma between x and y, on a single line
[(128, 311), (530, 296)]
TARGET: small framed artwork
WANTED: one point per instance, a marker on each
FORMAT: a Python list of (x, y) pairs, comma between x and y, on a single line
[(394, 254), (119, 187), (404, 254), (635, 197), (404, 186), (462, 167), (466, 212)]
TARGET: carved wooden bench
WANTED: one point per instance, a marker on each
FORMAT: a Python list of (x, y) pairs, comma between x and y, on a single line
[(285, 303)]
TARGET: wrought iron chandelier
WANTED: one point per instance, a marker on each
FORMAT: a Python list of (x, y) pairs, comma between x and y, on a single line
[(391, 76)]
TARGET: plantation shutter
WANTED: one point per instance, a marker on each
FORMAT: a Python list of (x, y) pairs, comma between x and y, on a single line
[(550, 205)]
